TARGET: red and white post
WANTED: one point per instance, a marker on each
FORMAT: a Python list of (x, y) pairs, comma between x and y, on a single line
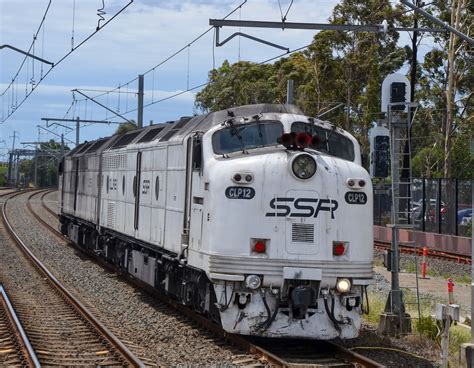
[(450, 291), (423, 262)]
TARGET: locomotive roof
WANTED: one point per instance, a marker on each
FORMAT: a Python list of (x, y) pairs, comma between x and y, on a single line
[(176, 130)]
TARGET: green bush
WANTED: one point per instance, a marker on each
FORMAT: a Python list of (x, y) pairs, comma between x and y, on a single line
[(427, 327)]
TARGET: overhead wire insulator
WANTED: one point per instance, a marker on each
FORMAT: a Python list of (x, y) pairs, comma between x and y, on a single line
[(100, 14)]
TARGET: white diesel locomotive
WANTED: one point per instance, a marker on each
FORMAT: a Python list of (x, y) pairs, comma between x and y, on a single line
[(258, 217)]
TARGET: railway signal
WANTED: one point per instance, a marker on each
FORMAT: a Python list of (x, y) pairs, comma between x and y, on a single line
[(379, 139)]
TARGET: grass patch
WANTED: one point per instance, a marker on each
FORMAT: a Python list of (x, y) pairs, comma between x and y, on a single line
[(457, 336), (427, 327), (377, 306), (3, 174)]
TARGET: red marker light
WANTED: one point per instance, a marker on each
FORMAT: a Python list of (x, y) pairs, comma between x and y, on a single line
[(339, 248), (260, 247), (303, 140)]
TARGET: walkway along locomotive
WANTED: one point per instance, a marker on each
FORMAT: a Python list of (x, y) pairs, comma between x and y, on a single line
[(257, 216)]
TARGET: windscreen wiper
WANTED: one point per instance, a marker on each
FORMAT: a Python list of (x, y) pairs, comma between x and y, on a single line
[(235, 132)]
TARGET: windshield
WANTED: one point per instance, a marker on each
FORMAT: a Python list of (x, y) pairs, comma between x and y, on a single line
[(246, 136), (331, 142)]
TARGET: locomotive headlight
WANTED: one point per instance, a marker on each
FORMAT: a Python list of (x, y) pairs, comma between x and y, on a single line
[(343, 285), (303, 166), (253, 282)]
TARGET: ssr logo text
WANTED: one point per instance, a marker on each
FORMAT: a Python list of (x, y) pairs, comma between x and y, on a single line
[(301, 207)]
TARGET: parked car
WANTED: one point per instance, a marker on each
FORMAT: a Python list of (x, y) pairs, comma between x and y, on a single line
[(464, 215), (430, 209)]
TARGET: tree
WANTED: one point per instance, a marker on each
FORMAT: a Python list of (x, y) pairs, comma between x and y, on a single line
[(126, 127), (238, 84), (446, 80)]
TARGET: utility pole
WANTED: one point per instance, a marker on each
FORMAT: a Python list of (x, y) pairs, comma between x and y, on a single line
[(289, 91), (62, 146), (141, 84), (17, 176), (12, 159), (36, 160), (467, 350), (78, 121)]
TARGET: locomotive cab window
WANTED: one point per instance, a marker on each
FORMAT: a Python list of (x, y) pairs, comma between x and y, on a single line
[(331, 142), (246, 136), (197, 153)]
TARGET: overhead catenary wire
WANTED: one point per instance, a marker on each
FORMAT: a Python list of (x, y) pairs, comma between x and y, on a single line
[(64, 57), (176, 52), (29, 49), (192, 88)]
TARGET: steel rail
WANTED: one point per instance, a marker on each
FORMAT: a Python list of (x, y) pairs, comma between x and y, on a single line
[(434, 252), (128, 356), (19, 332), (55, 232), (46, 207)]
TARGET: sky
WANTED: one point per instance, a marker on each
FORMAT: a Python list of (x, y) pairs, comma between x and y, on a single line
[(144, 35)]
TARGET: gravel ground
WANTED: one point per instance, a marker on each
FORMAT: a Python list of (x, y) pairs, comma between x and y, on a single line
[(166, 338)]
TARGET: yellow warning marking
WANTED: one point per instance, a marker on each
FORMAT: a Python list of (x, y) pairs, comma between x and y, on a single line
[(103, 352)]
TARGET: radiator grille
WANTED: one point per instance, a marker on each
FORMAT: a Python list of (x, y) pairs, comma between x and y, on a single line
[(111, 214), (115, 162), (303, 233)]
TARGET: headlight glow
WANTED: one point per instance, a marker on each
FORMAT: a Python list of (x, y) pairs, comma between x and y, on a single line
[(303, 166), (343, 285), (253, 282)]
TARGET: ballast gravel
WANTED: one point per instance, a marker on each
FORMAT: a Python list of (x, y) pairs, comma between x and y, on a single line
[(165, 338)]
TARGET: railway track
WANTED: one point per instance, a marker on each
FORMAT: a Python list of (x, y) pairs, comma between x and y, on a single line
[(433, 252), (61, 329), (15, 347), (275, 353)]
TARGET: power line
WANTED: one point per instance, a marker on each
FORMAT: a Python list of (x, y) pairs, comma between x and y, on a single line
[(31, 46), (61, 60), (175, 53), (190, 89)]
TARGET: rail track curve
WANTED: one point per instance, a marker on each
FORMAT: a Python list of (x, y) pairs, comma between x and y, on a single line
[(61, 329)]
